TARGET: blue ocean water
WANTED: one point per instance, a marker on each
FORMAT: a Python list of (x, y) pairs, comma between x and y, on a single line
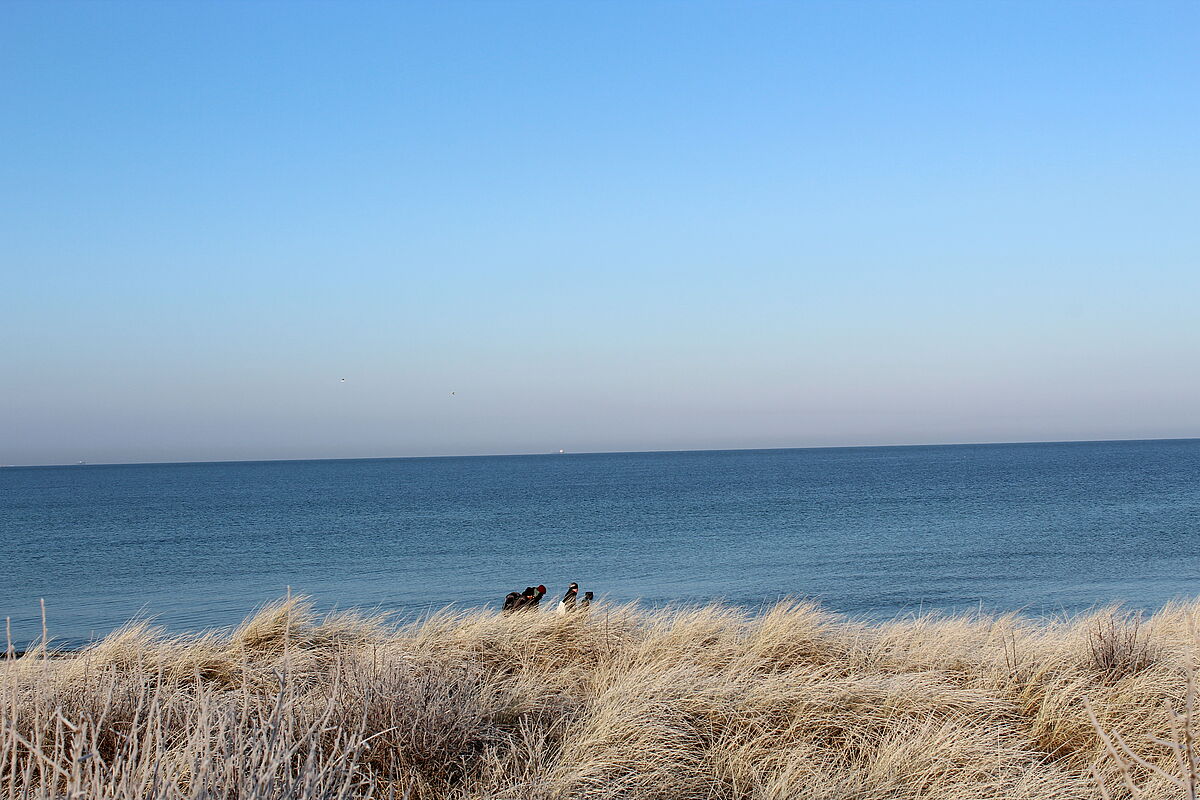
[(1042, 528)]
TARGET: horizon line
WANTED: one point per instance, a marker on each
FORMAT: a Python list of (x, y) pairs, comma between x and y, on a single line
[(596, 452)]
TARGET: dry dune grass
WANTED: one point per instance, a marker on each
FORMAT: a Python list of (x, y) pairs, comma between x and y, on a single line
[(617, 702)]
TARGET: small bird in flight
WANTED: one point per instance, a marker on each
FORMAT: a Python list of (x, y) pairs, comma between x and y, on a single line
[(343, 380)]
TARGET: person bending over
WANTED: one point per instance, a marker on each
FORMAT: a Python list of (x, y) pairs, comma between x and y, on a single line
[(512, 601)]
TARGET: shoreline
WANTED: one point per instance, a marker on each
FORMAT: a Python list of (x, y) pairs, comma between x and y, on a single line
[(400, 620)]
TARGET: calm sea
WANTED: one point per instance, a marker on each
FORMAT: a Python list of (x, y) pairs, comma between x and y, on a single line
[(1043, 528)]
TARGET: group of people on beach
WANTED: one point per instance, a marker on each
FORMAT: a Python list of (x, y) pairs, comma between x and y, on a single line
[(531, 598)]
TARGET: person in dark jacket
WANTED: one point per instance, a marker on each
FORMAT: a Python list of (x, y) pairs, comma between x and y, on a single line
[(512, 601), (539, 593), (568, 601), (587, 600)]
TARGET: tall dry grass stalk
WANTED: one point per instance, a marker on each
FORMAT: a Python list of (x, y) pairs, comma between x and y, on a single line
[(709, 703)]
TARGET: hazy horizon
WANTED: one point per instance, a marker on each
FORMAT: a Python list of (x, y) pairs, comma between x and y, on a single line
[(612, 452), (235, 232)]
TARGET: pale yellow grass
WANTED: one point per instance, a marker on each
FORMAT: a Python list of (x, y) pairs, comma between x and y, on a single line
[(711, 703)]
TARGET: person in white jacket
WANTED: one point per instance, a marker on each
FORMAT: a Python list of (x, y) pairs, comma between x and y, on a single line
[(568, 601)]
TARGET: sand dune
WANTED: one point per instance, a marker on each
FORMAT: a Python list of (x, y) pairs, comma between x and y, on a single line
[(614, 703)]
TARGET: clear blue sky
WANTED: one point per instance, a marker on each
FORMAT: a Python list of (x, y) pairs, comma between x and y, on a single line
[(603, 226)]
